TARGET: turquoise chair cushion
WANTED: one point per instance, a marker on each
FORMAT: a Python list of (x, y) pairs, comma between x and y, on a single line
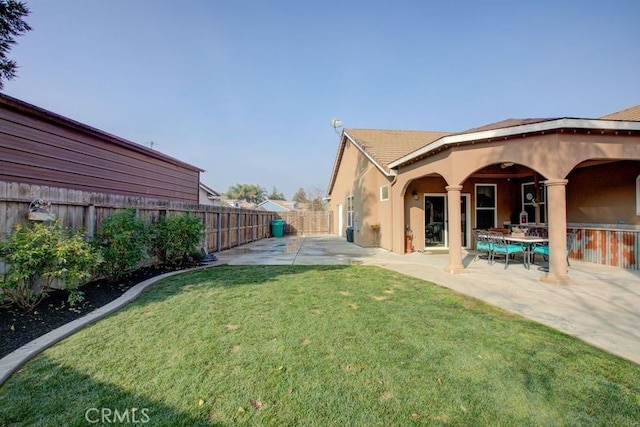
[(481, 246), (542, 250), (508, 249)]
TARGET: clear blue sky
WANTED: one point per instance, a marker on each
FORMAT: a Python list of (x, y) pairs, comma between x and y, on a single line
[(245, 89)]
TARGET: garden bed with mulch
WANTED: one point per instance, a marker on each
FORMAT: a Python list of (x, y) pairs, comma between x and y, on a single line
[(19, 326)]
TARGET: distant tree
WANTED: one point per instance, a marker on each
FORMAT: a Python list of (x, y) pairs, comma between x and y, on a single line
[(275, 195), (300, 196), (316, 201), (249, 192), (11, 26)]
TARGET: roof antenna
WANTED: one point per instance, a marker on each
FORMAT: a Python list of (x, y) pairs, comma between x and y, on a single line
[(335, 124)]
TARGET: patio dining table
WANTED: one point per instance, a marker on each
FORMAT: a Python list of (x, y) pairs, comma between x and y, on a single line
[(529, 241)]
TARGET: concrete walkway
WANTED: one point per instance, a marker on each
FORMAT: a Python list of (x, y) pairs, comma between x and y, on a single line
[(601, 308)]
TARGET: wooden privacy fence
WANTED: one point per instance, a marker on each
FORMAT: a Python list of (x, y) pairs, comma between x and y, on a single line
[(224, 227), (306, 222)]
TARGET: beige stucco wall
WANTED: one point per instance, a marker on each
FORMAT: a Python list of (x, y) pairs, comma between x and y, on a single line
[(553, 156), (508, 201), (603, 194), (359, 177)]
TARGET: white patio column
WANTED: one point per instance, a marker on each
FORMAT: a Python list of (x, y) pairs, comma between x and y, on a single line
[(557, 210), (455, 229)]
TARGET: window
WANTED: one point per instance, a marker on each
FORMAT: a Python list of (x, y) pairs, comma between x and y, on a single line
[(531, 199), (349, 211), (486, 206), (384, 193)]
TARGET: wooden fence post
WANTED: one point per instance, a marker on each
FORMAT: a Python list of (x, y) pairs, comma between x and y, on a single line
[(90, 222)]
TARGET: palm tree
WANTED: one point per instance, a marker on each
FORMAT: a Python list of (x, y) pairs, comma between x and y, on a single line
[(249, 192)]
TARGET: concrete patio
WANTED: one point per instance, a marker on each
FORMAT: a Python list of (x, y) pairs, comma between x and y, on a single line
[(601, 308)]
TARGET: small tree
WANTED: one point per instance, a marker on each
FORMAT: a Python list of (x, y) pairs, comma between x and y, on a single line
[(11, 25), (275, 195), (300, 196), (316, 202)]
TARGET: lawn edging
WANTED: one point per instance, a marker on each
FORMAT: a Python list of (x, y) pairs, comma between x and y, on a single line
[(14, 360)]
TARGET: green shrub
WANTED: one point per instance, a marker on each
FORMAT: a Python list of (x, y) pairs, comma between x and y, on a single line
[(123, 243), (177, 240), (37, 255)]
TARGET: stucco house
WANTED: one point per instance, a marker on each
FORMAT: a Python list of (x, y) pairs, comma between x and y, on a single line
[(423, 191)]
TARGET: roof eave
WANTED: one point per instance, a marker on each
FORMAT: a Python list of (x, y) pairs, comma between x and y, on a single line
[(444, 142)]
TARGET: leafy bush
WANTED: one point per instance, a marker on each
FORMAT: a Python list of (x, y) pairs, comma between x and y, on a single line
[(123, 243), (177, 239), (37, 255)]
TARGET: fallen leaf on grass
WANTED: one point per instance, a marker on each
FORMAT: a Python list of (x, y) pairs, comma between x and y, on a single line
[(439, 381), (256, 404), (305, 341), (463, 409), (200, 402), (345, 293), (389, 291), (380, 298), (385, 396), (353, 305), (231, 326), (414, 415)]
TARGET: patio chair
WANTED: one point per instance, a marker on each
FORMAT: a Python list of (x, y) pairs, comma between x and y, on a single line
[(543, 249), (482, 244), (500, 246)]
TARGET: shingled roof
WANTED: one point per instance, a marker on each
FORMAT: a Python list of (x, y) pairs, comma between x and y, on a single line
[(393, 147), (507, 123), (385, 146), (631, 114)]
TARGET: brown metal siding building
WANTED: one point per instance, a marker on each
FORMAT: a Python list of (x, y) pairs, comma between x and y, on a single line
[(44, 148)]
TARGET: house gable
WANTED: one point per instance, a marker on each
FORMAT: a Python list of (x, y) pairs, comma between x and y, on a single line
[(381, 147)]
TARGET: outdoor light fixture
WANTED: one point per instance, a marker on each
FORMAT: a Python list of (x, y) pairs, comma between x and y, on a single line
[(415, 195)]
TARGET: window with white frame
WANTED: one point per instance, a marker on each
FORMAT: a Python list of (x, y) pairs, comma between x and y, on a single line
[(532, 198), (384, 193), (486, 206), (349, 211)]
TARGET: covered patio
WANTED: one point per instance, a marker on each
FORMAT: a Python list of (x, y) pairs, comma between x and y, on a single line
[(563, 173)]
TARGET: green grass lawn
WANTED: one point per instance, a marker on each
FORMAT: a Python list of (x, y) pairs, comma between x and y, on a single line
[(334, 345)]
